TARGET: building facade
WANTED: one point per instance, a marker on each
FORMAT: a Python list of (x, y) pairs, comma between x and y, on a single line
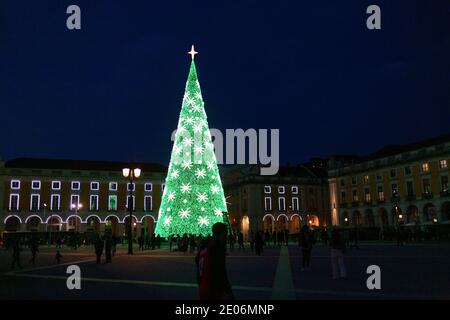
[(283, 201), (405, 185), (44, 194)]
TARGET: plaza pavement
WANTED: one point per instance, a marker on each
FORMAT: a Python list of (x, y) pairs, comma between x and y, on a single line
[(416, 271)]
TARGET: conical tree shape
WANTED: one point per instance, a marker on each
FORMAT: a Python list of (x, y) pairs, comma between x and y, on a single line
[(193, 198)]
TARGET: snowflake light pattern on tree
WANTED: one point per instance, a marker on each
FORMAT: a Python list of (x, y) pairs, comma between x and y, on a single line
[(193, 198)]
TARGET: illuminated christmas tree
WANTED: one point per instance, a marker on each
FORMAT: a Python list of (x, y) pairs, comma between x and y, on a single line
[(193, 198)]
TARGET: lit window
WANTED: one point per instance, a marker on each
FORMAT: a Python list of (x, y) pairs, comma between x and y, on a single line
[(75, 185), (35, 185), (366, 179), (425, 167), (15, 184), (93, 203), (367, 194), (34, 202), (394, 189), (148, 187), (443, 164), (355, 195), (113, 186), (380, 193), (281, 190), (148, 203), (268, 203), (55, 202), (14, 202), (426, 186), (281, 204), (133, 202), (112, 203), (444, 183), (74, 201), (295, 204), (95, 186), (294, 190), (267, 189), (56, 185)]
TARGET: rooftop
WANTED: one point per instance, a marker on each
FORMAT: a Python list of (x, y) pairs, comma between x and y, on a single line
[(37, 163)]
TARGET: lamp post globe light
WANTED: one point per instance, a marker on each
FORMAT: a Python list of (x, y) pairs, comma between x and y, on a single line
[(130, 174), (76, 207)]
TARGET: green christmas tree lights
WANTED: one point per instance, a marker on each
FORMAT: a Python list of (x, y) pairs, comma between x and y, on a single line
[(193, 198)]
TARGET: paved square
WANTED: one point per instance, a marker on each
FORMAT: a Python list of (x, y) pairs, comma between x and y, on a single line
[(419, 271)]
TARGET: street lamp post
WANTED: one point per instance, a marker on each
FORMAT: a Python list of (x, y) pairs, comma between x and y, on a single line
[(46, 227), (76, 207), (131, 174)]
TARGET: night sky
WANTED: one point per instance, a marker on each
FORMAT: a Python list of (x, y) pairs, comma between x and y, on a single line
[(113, 90)]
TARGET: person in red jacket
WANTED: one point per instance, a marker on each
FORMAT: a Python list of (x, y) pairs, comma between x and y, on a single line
[(211, 267)]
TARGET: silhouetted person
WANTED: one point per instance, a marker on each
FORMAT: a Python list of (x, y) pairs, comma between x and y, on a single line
[(16, 253), (158, 241), (108, 249), (306, 242), (114, 245), (267, 237), (337, 245), (153, 240), (98, 249), (34, 248), (251, 239), (241, 241), (58, 256), (211, 267), (170, 242)]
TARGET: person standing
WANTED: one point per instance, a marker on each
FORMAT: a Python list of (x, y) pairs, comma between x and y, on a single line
[(324, 236), (337, 249), (34, 248), (211, 267), (108, 249), (58, 256), (114, 245), (241, 241), (251, 239), (158, 241), (98, 249), (16, 253), (306, 242)]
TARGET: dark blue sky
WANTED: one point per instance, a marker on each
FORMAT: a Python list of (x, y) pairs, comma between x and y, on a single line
[(113, 90)]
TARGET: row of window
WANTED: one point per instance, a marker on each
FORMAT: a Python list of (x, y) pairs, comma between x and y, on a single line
[(75, 185), (426, 187), (425, 167), (55, 202), (281, 189), (281, 204)]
